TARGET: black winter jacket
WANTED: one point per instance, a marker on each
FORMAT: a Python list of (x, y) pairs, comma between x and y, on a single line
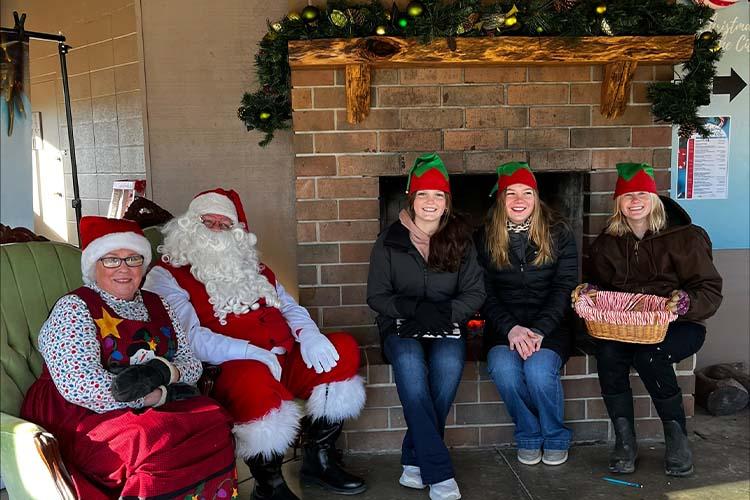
[(398, 269), (530, 296)]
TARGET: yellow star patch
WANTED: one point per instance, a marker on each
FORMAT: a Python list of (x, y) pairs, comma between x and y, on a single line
[(152, 345), (108, 325)]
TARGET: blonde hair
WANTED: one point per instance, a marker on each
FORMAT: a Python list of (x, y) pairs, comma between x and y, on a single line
[(498, 240), (617, 224)]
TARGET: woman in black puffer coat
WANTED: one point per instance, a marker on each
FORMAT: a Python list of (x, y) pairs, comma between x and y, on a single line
[(424, 283), (531, 266)]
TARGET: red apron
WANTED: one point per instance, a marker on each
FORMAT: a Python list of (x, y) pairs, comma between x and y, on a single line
[(180, 449)]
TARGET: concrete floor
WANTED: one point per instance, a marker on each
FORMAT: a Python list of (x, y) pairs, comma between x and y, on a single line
[(721, 448)]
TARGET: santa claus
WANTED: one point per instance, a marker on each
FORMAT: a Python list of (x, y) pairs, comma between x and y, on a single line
[(237, 315)]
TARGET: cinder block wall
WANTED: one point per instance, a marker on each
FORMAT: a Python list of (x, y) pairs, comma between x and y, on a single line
[(476, 118)]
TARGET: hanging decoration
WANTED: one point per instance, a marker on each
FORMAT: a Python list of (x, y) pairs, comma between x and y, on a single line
[(675, 102), (12, 55)]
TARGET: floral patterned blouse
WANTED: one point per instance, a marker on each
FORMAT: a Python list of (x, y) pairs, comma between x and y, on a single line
[(68, 343)]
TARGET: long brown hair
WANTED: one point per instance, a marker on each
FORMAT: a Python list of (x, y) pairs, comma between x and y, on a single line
[(448, 244), (498, 240)]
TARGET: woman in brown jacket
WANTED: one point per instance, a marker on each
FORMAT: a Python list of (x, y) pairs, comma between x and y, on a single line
[(650, 246)]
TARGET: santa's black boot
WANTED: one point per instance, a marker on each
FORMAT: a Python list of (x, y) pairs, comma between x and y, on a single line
[(269, 482), (320, 458)]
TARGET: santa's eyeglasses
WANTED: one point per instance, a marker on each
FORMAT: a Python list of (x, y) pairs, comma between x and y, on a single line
[(114, 262), (214, 224)]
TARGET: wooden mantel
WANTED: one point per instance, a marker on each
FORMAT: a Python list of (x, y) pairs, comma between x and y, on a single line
[(619, 54)]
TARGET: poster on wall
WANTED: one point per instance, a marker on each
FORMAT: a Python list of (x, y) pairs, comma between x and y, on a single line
[(702, 164)]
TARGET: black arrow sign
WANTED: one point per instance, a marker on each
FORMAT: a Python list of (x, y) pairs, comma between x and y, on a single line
[(732, 84)]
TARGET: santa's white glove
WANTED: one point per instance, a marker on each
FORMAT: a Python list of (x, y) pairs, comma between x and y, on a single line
[(317, 351), (266, 357)]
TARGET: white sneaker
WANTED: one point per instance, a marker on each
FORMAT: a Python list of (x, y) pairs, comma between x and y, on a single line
[(445, 490), (411, 477)]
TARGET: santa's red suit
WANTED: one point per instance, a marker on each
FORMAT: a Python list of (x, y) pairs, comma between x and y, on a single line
[(266, 416)]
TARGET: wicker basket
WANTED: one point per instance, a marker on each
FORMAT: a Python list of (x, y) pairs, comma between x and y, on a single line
[(625, 317)]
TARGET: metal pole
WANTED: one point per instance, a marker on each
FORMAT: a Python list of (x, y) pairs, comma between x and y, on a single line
[(63, 49), (36, 35)]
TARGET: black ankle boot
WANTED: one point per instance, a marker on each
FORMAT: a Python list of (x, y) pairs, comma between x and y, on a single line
[(625, 453), (678, 459), (269, 482), (320, 459)]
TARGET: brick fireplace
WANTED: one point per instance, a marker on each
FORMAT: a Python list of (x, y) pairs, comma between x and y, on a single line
[(476, 118)]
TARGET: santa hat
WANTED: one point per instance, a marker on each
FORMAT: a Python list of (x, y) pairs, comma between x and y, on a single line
[(634, 177), (514, 172), (100, 235), (219, 201), (428, 172)]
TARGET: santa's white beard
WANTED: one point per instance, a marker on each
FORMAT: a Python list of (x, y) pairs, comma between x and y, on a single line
[(226, 262)]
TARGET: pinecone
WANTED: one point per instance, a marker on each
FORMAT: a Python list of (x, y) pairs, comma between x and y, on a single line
[(561, 5), (356, 16), (468, 24)]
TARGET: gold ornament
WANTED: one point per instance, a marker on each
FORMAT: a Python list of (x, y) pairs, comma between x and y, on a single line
[(264, 115), (601, 8), (707, 36), (277, 27), (339, 19), (606, 28), (510, 21), (380, 30), (415, 8), (293, 16), (715, 48)]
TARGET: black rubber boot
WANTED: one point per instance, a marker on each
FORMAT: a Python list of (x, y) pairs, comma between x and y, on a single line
[(625, 453), (321, 461), (269, 482), (678, 459)]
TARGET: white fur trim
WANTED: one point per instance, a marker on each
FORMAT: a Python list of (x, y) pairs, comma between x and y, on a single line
[(271, 434), (337, 401), (108, 243), (213, 203)]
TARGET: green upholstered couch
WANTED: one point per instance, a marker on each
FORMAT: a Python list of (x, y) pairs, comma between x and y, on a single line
[(33, 276)]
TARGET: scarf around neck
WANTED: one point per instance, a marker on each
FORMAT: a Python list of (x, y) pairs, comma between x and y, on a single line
[(419, 238), (519, 228)]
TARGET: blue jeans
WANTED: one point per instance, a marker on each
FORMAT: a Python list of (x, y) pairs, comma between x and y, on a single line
[(533, 395), (427, 374)]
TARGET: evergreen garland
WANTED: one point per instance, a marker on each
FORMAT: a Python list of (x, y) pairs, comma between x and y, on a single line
[(269, 109)]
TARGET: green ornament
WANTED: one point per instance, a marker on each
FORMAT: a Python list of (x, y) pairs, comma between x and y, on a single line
[(339, 19), (264, 116), (380, 30), (403, 22), (415, 8), (310, 14), (539, 29)]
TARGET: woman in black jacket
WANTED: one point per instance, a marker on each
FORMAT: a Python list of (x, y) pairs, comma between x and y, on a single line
[(531, 266), (424, 283)]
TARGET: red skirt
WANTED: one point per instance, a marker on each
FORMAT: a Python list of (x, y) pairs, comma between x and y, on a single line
[(180, 449)]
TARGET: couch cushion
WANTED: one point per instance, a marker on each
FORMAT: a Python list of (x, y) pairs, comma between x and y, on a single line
[(33, 276)]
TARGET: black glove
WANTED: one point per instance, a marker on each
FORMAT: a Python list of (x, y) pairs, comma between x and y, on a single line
[(137, 381), (409, 328), (405, 306), (434, 316), (180, 391)]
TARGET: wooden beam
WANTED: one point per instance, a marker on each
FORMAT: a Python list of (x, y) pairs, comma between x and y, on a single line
[(357, 92), (616, 87), (503, 50)]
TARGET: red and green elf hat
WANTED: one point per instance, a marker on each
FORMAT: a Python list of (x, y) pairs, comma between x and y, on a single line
[(514, 172), (633, 177), (428, 172)]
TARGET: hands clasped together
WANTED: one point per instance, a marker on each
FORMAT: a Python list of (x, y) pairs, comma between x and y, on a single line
[(525, 341), (155, 380)]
